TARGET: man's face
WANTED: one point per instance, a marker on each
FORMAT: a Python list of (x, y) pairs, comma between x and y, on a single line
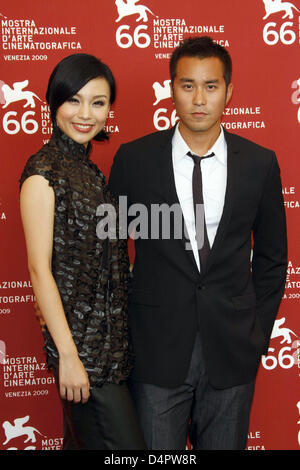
[(199, 93)]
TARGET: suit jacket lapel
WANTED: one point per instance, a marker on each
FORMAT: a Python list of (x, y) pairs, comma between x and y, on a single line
[(167, 181), (166, 170), (233, 165)]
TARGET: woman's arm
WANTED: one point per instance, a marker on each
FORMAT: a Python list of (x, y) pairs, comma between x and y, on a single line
[(37, 211)]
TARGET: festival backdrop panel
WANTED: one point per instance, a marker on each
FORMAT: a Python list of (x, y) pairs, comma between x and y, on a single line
[(136, 39)]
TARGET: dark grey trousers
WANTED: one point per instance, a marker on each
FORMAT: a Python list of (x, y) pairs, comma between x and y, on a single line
[(213, 419)]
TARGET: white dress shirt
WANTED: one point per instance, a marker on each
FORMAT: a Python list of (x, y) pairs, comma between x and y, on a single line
[(214, 179)]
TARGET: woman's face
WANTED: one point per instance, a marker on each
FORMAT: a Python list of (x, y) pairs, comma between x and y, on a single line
[(83, 115)]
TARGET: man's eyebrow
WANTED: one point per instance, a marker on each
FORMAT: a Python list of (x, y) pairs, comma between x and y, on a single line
[(190, 80), (183, 79), (212, 80)]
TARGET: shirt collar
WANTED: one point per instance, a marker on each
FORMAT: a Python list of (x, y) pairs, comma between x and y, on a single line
[(181, 148)]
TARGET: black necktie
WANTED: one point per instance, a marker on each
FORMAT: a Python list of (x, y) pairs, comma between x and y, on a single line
[(201, 232)]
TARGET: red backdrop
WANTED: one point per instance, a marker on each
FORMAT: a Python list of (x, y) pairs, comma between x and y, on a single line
[(263, 38)]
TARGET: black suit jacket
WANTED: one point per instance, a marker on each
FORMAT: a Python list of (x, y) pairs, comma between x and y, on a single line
[(231, 304)]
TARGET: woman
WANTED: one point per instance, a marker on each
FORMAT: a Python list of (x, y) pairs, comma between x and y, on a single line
[(79, 280)]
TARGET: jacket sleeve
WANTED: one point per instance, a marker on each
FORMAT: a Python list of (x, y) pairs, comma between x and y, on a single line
[(119, 184), (269, 263), (118, 181)]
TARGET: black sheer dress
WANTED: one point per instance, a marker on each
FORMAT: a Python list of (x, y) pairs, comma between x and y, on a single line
[(91, 273)]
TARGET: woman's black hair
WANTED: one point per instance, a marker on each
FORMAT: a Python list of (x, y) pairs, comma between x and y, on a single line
[(70, 75)]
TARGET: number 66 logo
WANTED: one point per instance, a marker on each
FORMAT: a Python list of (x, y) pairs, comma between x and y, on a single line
[(284, 360), (286, 35), (13, 126), (125, 40)]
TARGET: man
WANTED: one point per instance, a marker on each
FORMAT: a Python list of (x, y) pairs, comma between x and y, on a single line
[(199, 327)]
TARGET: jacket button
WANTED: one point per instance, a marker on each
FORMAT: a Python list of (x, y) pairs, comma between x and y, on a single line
[(201, 286)]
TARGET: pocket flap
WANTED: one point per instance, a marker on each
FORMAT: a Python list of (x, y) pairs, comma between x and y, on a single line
[(244, 301)]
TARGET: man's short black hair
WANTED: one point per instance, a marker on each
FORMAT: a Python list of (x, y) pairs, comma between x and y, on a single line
[(202, 47)]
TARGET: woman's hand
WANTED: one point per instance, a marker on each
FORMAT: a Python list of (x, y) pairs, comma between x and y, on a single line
[(73, 379)]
